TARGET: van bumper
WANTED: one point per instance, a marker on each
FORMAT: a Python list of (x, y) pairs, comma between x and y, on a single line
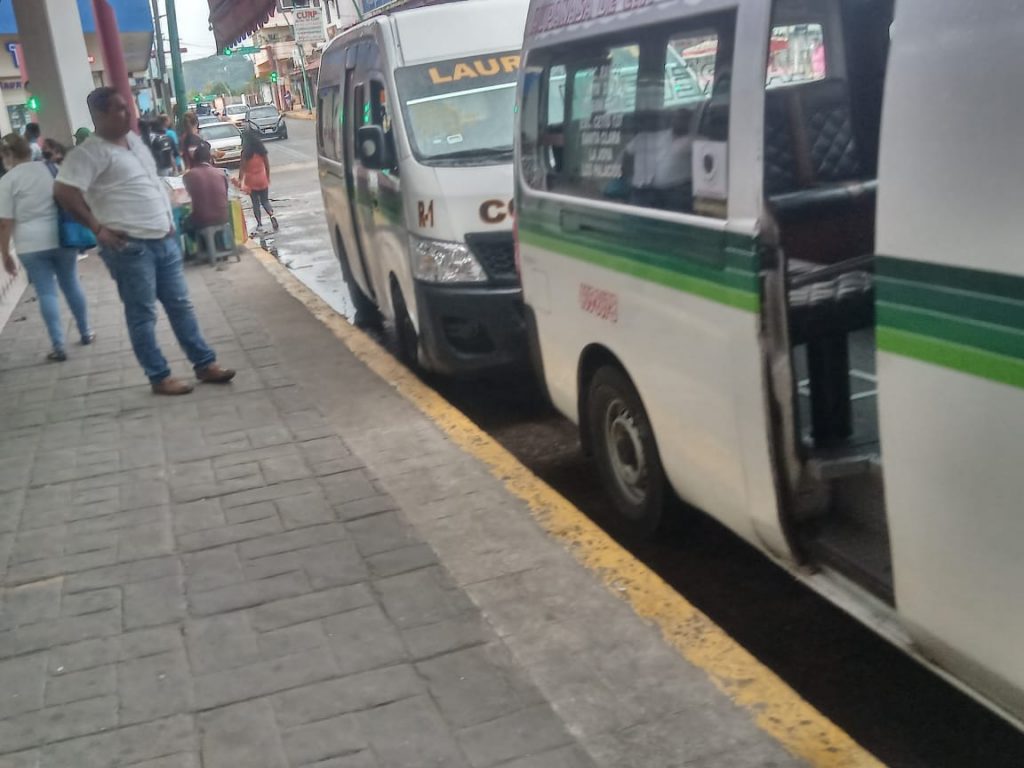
[(465, 330)]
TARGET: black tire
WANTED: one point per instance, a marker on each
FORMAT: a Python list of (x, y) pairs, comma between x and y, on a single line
[(406, 339), (367, 313), (626, 455)]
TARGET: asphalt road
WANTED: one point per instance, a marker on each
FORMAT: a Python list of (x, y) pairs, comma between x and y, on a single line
[(904, 714)]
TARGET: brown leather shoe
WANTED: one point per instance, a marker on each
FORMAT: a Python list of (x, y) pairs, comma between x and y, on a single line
[(172, 386), (214, 374)]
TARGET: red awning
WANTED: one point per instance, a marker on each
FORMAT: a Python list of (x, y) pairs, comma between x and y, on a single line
[(233, 20)]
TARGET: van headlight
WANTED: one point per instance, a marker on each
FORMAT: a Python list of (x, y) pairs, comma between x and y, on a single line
[(441, 261)]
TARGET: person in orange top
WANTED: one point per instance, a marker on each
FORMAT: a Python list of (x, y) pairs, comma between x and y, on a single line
[(254, 175)]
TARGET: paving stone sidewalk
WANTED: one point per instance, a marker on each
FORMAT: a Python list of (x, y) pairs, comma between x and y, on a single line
[(233, 580)]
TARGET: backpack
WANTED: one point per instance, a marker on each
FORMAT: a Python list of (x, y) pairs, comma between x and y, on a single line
[(163, 150)]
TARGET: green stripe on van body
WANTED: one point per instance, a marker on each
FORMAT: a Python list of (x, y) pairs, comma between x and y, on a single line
[(968, 320), (714, 265)]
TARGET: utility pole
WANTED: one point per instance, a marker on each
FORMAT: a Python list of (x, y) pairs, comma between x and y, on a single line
[(161, 63), (176, 71), (305, 77)]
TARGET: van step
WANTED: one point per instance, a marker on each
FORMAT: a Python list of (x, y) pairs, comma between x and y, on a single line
[(826, 469)]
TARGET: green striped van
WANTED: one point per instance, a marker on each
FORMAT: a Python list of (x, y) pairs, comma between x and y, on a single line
[(771, 263)]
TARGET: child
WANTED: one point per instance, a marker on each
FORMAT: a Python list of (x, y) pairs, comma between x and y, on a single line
[(254, 174)]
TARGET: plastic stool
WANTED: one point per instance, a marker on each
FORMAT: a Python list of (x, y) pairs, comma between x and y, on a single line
[(218, 242)]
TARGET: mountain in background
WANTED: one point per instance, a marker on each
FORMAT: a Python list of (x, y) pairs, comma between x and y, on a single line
[(234, 71)]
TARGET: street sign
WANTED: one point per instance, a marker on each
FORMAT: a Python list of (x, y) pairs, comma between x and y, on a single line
[(241, 51), (309, 26)]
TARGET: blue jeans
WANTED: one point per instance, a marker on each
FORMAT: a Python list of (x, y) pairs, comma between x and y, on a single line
[(47, 270), (147, 270)]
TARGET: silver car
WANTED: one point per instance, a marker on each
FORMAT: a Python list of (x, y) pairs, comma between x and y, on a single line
[(225, 140)]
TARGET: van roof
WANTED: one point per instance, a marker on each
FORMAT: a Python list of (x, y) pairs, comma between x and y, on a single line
[(450, 30)]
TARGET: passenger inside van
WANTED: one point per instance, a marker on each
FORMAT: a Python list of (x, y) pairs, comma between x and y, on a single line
[(657, 161)]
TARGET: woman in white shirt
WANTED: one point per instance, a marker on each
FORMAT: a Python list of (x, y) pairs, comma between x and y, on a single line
[(27, 210)]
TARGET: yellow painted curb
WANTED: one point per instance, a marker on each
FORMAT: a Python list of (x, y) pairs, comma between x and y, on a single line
[(301, 115), (776, 708)]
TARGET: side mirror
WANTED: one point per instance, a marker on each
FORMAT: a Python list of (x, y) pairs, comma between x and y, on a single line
[(374, 150)]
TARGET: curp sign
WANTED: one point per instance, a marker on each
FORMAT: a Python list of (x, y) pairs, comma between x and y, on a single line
[(309, 25)]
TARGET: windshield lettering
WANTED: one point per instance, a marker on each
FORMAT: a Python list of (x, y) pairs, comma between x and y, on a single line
[(461, 111), (460, 70)]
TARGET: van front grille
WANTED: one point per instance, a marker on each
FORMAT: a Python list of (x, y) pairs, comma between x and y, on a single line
[(496, 253)]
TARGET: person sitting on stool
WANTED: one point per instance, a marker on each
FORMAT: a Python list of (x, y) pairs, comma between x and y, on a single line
[(208, 188)]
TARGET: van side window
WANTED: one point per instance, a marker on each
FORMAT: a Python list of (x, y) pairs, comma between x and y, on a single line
[(380, 112), (327, 126), (623, 117), (796, 55)]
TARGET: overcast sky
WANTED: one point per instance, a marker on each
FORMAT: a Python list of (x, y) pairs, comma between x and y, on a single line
[(194, 28)]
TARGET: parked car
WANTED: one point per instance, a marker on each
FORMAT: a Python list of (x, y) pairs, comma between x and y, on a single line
[(226, 141), (267, 121), (236, 113), (205, 120)]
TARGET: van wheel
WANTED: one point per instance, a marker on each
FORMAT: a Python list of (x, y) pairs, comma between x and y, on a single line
[(626, 454), (367, 313), (407, 340)]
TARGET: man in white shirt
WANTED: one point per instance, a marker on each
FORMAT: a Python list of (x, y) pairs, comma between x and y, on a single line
[(110, 183), (657, 162)]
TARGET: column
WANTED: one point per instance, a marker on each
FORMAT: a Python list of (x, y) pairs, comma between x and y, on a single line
[(5, 120), (113, 54), (50, 32)]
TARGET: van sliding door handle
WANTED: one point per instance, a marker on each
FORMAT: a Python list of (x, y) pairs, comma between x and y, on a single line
[(574, 222)]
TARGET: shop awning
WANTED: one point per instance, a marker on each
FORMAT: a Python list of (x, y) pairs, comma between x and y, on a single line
[(233, 20)]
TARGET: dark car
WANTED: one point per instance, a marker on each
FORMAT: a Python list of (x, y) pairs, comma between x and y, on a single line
[(267, 122)]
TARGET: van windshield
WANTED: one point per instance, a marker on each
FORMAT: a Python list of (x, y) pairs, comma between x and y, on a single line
[(461, 110)]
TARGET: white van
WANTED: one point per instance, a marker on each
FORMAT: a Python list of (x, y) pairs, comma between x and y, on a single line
[(415, 133), (796, 298)]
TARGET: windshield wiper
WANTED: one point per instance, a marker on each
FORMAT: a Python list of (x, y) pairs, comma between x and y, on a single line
[(483, 152)]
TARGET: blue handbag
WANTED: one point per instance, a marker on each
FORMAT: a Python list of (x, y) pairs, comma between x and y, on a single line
[(71, 232)]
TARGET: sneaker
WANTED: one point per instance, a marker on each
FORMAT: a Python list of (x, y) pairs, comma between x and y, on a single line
[(273, 221), (214, 374), (171, 386), (57, 356), (259, 231), (88, 339)]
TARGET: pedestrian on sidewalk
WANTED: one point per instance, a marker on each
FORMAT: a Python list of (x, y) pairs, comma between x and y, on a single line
[(27, 209), (190, 138), (254, 175), (53, 154), (110, 183), (163, 149), (32, 136), (173, 136)]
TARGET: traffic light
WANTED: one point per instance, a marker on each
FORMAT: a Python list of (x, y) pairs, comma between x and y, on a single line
[(227, 51), (197, 99), (273, 77), (32, 104)]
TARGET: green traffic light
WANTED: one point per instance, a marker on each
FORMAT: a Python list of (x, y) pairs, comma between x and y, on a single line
[(273, 77), (32, 104), (228, 52)]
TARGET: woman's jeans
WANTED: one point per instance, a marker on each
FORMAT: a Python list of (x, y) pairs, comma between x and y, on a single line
[(147, 271), (47, 270), (260, 197)]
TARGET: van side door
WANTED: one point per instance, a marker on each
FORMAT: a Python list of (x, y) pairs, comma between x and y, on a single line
[(352, 111)]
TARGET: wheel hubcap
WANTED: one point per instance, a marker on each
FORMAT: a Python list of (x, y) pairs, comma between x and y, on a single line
[(626, 451)]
